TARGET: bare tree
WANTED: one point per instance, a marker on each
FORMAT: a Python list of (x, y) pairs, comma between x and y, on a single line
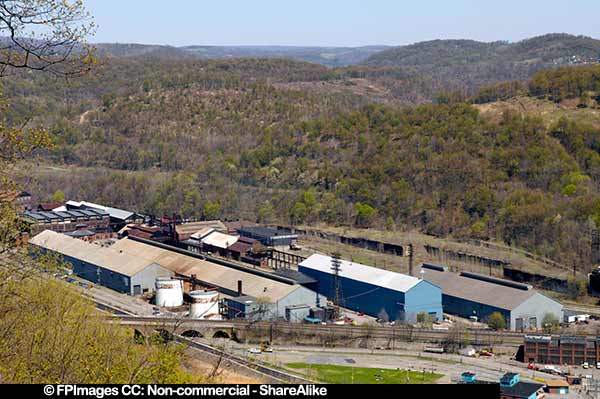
[(45, 35)]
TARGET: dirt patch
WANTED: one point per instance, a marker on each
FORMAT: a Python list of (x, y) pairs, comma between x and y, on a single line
[(224, 375)]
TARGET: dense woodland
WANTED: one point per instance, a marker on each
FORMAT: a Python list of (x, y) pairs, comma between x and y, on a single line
[(254, 138), (469, 64)]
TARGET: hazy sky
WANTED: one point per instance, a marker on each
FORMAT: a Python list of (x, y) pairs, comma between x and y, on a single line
[(336, 22)]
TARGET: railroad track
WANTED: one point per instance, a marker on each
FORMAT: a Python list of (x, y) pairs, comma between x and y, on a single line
[(278, 375), (399, 333)]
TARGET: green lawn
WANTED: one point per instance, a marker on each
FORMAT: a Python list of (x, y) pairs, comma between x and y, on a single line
[(362, 375)]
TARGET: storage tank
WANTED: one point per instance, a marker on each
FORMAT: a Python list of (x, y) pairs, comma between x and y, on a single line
[(169, 292), (205, 304)]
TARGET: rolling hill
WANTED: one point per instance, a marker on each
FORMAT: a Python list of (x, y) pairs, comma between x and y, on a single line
[(473, 63), (296, 142)]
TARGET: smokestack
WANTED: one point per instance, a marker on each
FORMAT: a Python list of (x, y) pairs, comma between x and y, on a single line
[(174, 228), (410, 260), (239, 288)]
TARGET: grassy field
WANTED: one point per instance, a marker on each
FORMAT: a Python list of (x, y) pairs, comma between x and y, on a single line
[(334, 374)]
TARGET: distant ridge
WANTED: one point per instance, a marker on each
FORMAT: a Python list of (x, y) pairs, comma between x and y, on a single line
[(457, 60), (475, 63), (329, 56)]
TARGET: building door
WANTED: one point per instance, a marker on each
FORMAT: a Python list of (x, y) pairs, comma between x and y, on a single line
[(137, 289), (519, 324), (533, 322)]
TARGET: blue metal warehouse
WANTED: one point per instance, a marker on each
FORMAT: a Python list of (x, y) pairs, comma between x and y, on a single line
[(371, 290), (469, 294)]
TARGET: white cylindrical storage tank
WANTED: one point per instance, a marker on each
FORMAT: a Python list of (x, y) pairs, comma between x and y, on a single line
[(169, 292), (205, 304)]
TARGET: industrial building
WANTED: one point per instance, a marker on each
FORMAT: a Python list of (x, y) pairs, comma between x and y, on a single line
[(66, 221), (118, 217), (510, 386), (268, 236), (564, 349), (473, 295), (23, 201), (184, 231), (277, 297), (372, 290), (106, 266)]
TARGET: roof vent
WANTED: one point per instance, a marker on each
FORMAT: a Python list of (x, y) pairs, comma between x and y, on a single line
[(431, 266), (497, 281)]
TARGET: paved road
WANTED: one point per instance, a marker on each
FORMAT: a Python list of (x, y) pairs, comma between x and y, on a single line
[(451, 366)]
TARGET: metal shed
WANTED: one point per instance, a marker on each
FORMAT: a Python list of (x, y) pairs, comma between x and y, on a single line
[(269, 236)]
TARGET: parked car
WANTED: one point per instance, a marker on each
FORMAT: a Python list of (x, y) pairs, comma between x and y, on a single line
[(585, 365), (532, 366), (254, 350)]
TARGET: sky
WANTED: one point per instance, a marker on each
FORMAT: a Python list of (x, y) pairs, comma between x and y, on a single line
[(335, 22)]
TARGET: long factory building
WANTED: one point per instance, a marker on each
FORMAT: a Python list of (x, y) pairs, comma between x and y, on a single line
[(474, 295), (127, 257), (374, 291), (106, 266)]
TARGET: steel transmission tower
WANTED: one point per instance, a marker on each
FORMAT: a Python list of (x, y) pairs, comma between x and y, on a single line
[(338, 298)]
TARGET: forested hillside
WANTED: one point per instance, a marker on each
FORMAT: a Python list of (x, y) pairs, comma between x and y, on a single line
[(256, 139), (471, 64)]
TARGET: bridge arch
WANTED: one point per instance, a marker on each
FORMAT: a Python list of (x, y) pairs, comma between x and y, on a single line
[(138, 336), (192, 334), (163, 335), (221, 334)]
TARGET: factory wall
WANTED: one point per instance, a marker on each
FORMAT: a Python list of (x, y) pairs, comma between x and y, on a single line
[(424, 297), (466, 308), (300, 296), (252, 311), (110, 279), (98, 275), (296, 314), (146, 278), (533, 310), (371, 299)]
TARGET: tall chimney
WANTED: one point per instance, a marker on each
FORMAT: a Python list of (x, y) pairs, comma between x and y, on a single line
[(410, 260), (239, 288)]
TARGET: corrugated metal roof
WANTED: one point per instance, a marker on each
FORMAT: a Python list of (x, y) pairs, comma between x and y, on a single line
[(113, 212), (203, 232), (240, 247), (106, 257), (209, 272), (484, 292), (219, 240), (193, 227), (359, 272), (48, 206)]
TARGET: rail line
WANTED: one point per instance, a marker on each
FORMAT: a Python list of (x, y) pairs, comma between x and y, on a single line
[(278, 375), (399, 333)]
